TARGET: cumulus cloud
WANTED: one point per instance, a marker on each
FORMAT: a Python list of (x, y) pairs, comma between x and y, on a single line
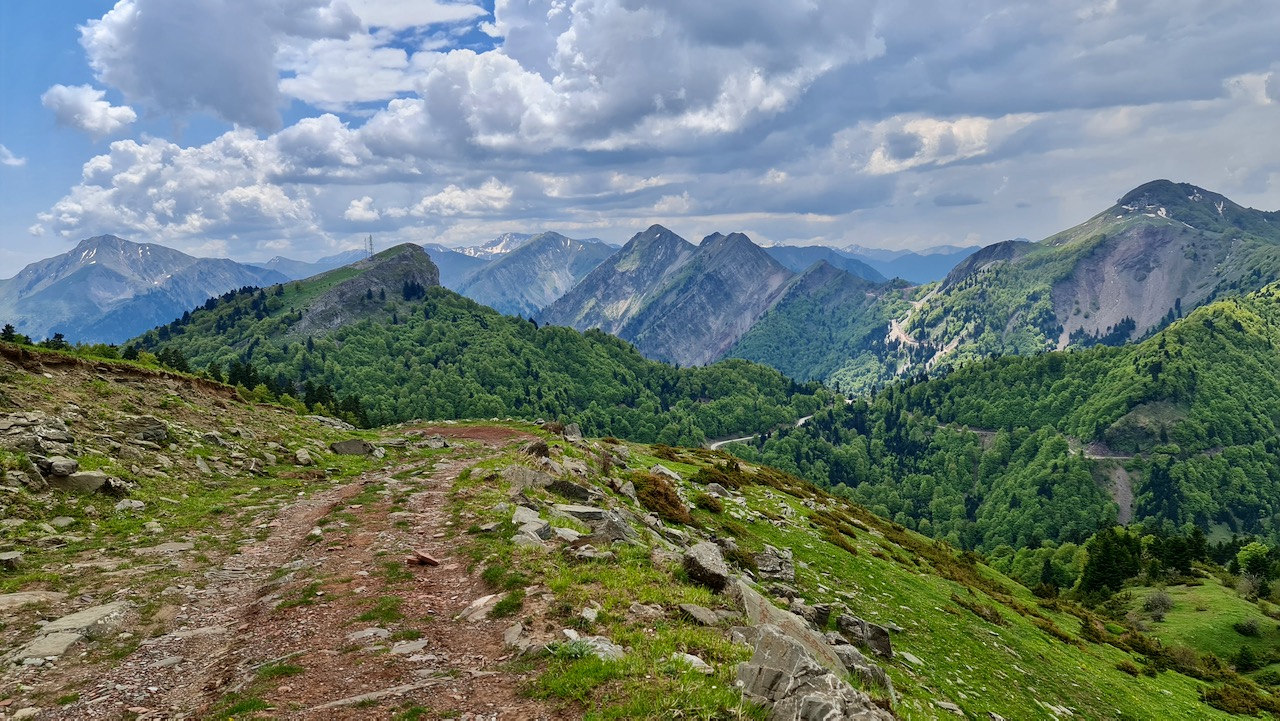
[(362, 210), (206, 55), (491, 195), (824, 120), (83, 107), (7, 158)]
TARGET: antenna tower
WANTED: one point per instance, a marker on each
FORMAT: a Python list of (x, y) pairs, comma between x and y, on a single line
[(368, 246)]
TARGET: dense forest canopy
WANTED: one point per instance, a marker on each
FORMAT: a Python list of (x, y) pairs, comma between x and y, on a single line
[(411, 352), (1019, 450)]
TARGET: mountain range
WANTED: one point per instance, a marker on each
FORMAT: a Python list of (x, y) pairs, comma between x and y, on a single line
[(106, 289)]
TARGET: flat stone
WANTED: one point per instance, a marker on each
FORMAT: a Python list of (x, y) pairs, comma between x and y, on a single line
[(479, 609), (172, 547), (584, 513), (911, 658), (522, 515), (26, 713), (11, 560), (83, 481), (27, 598), (199, 632), (373, 632), (407, 647), (568, 535), (571, 490), (522, 477), (50, 645), (167, 662), (523, 539), (62, 521), (540, 529), (692, 662), (511, 637), (82, 621), (704, 616)]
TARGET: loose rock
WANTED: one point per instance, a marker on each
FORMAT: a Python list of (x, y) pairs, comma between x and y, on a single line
[(705, 565)]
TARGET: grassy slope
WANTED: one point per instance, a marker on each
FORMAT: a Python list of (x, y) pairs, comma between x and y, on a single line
[(879, 571)]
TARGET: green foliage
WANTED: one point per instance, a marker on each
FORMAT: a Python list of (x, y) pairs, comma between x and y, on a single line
[(990, 453), (448, 357), (658, 495)]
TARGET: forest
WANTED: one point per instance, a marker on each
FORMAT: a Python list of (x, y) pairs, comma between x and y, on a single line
[(419, 352)]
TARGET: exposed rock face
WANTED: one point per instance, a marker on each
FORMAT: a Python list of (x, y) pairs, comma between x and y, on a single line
[(865, 634), (144, 428), (759, 611), (776, 565), (705, 565), (660, 293), (783, 675), (535, 275), (35, 432)]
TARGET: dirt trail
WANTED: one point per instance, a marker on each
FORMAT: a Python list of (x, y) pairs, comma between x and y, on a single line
[(271, 626)]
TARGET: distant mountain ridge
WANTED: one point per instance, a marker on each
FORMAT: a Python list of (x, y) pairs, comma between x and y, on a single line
[(532, 276), (683, 303), (298, 269), (107, 289)]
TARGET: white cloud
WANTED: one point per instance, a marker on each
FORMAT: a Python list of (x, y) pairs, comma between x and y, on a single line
[(492, 195), (362, 210), (82, 107), (206, 55), (9, 159)]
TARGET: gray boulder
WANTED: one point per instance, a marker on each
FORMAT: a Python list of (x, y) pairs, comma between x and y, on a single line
[(352, 447), (705, 565), (783, 676), (700, 614), (865, 634), (522, 477), (303, 457), (776, 565), (144, 428), (759, 611), (82, 481), (572, 432), (572, 491)]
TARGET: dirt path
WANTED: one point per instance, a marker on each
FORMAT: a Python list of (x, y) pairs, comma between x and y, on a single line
[(277, 627)]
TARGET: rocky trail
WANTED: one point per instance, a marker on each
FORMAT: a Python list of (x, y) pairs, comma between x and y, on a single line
[(318, 616)]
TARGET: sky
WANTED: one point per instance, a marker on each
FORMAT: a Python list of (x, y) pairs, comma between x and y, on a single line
[(255, 128)]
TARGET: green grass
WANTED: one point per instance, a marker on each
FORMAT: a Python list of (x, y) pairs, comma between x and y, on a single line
[(279, 670), (386, 609), (1211, 630)]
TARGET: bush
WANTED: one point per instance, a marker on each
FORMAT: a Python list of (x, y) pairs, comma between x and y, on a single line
[(658, 495), (1128, 667), (1248, 627), (1158, 603), (1247, 659), (708, 502)]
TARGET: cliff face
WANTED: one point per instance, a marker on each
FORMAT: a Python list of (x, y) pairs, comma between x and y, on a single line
[(533, 276), (387, 272), (674, 301)]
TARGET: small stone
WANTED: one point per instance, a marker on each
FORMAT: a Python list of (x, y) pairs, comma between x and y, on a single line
[(315, 532), (352, 447), (373, 632), (152, 527), (62, 521), (704, 616), (523, 515), (26, 713), (660, 470), (511, 637), (590, 614), (63, 466), (11, 560), (303, 458), (693, 662)]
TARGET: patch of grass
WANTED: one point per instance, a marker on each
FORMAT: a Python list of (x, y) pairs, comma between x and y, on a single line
[(386, 609), (306, 596), (234, 706), (396, 572), (68, 699), (510, 604), (279, 670)]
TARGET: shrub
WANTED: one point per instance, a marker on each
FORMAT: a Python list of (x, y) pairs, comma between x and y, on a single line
[(1128, 667), (1158, 603), (658, 495), (1247, 659), (1248, 627), (708, 502)]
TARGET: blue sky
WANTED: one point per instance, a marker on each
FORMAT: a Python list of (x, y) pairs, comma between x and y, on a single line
[(254, 128)]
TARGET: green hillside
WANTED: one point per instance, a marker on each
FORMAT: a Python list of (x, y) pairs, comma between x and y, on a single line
[(1019, 450), (227, 526), (380, 332)]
